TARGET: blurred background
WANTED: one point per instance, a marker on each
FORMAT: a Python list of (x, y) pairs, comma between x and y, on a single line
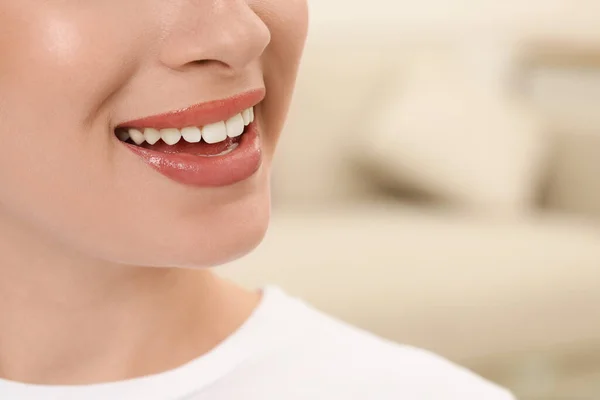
[(438, 183)]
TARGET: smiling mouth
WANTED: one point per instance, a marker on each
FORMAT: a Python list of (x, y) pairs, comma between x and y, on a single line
[(216, 139), (189, 147)]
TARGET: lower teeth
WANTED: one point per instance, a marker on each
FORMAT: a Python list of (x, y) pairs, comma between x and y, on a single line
[(227, 151)]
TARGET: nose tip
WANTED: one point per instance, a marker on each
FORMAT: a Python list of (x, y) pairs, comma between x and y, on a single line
[(230, 34)]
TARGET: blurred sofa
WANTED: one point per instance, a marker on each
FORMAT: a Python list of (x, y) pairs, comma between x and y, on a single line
[(504, 259)]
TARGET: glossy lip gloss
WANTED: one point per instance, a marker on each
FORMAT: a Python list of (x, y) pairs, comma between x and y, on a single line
[(205, 171)]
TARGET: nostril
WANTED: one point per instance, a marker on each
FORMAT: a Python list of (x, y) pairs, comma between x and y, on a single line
[(208, 63), (202, 62)]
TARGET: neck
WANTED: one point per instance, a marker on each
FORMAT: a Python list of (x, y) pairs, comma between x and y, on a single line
[(68, 319)]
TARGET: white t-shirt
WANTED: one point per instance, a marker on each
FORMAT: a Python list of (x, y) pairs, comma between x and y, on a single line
[(288, 350)]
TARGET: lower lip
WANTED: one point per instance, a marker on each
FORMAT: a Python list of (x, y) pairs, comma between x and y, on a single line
[(236, 166)]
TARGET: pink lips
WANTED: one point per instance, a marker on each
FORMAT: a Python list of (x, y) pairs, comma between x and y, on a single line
[(238, 164)]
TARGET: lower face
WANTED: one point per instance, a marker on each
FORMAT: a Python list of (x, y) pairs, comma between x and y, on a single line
[(142, 132)]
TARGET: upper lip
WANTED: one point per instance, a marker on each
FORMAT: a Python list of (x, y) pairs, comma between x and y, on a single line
[(200, 114)]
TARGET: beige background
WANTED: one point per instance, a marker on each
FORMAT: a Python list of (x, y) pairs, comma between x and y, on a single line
[(438, 184)]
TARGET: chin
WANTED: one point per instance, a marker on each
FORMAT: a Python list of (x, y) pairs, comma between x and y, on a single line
[(238, 236), (213, 236)]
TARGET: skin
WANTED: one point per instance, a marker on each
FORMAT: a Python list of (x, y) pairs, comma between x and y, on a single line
[(83, 220)]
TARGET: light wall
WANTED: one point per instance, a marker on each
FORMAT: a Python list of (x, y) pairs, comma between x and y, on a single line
[(572, 19)]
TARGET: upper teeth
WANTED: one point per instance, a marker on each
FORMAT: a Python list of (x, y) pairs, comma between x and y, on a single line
[(213, 133)]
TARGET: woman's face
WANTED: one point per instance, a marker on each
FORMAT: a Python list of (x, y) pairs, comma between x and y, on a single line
[(73, 73)]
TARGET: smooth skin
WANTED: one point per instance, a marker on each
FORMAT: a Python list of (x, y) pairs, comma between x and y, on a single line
[(83, 221)]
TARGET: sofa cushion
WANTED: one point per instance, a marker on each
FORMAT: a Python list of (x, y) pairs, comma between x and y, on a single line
[(565, 85), (446, 135), (573, 180)]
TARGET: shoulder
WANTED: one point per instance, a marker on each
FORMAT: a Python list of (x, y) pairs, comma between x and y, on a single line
[(356, 361)]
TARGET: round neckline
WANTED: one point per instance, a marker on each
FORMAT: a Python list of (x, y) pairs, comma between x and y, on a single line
[(171, 384)]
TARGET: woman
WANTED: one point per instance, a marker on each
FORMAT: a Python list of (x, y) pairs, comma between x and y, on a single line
[(137, 140)]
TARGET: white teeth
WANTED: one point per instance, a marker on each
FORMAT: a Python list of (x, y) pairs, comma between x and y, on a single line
[(235, 126), (214, 133), (137, 136), (170, 136), (152, 135), (246, 116), (123, 135), (191, 134)]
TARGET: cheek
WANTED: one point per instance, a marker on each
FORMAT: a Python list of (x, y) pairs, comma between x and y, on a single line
[(60, 68), (64, 60), (288, 22), (57, 70)]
